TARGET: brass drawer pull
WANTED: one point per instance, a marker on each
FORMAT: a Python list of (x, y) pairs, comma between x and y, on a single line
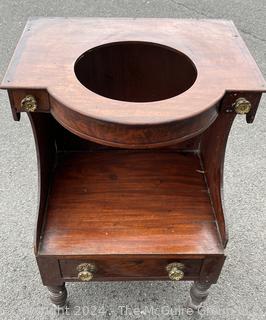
[(86, 271), (175, 271), (242, 106), (29, 103)]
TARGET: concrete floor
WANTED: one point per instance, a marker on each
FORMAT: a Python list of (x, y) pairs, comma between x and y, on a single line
[(240, 293)]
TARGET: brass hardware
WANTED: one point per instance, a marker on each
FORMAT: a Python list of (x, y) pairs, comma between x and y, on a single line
[(175, 271), (242, 106), (86, 271), (29, 103)]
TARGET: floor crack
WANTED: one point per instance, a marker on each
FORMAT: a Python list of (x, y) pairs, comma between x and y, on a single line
[(211, 17), (190, 9), (252, 35)]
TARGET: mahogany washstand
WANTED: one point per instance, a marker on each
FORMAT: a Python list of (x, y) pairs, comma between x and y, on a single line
[(131, 119)]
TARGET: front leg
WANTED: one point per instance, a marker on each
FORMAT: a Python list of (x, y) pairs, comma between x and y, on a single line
[(198, 294), (58, 296)]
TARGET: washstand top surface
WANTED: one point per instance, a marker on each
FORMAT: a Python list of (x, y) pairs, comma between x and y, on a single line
[(133, 71)]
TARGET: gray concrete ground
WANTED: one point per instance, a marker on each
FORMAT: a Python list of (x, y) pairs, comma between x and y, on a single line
[(240, 293)]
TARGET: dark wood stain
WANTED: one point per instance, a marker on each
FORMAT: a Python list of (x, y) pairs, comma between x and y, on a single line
[(131, 129), (158, 203)]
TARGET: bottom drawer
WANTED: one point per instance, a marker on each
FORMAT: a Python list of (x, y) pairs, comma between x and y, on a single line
[(130, 268)]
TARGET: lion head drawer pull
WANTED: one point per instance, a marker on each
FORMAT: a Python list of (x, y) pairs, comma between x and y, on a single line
[(175, 271), (86, 271), (29, 103)]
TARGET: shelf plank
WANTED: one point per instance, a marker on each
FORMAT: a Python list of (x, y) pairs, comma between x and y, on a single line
[(129, 202)]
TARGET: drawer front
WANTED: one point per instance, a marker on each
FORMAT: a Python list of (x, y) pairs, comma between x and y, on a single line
[(138, 269), (41, 97)]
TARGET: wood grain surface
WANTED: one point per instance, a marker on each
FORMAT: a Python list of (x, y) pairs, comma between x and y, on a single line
[(129, 203), (132, 84), (146, 81), (131, 268)]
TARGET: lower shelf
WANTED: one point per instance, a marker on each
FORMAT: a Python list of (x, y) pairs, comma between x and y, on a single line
[(129, 203)]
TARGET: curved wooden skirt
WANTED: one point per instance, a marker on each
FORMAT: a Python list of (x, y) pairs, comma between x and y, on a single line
[(132, 136)]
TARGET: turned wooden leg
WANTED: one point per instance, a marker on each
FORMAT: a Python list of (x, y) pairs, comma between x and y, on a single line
[(198, 294), (58, 296)]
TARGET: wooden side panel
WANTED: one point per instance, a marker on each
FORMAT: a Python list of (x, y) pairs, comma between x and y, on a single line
[(212, 151), (42, 127), (211, 268), (50, 271)]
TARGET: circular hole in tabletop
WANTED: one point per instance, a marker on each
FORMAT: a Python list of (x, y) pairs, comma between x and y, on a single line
[(135, 71)]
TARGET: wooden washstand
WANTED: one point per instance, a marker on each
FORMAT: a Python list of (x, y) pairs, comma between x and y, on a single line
[(131, 119)]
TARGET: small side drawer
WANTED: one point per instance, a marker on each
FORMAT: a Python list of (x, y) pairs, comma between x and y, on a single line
[(41, 96), (130, 268)]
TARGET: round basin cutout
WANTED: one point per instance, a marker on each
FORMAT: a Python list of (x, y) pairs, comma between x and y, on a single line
[(135, 71)]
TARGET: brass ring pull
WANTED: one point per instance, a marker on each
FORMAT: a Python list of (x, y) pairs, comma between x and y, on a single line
[(175, 271), (86, 271), (242, 106), (29, 103)]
